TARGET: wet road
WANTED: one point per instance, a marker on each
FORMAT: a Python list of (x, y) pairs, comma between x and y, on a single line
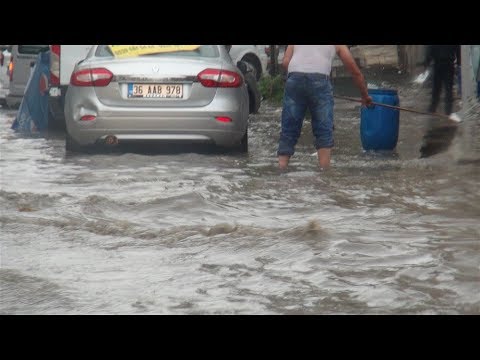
[(195, 233)]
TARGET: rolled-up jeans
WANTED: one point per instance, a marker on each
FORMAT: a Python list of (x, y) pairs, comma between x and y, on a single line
[(304, 91)]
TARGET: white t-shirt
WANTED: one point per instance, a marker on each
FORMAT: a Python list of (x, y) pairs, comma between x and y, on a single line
[(312, 59)]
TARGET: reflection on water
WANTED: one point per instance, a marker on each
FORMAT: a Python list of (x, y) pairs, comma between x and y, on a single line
[(438, 139), (194, 232)]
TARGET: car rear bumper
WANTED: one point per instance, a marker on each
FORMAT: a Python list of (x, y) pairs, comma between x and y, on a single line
[(136, 124)]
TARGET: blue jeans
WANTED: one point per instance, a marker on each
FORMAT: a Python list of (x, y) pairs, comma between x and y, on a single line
[(302, 91)]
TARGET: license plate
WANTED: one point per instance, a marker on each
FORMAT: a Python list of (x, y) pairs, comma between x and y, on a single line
[(155, 91)]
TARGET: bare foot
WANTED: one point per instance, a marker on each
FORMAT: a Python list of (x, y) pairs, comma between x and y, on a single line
[(324, 158), (283, 161)]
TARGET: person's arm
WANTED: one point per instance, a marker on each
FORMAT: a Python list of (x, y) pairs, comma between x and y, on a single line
[(358, 78), (287, 57)]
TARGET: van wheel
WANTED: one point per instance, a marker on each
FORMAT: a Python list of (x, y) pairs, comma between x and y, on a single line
[(71, 145), (254, 95), (256, 65), (55, 123)]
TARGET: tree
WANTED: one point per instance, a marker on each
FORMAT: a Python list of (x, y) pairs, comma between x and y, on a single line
[(273, 60)]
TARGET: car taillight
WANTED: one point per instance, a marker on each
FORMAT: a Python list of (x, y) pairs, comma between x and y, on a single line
[(220, 78), (88, 118), (11, 65), (223, 119), (55, 65), (91, 77)]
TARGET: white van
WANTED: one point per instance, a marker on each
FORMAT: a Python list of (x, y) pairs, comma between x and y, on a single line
[(63, 59), (5, 53), (22, 61), (250, 54)]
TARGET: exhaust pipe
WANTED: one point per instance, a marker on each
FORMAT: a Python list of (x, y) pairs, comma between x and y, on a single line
[(111, 140)]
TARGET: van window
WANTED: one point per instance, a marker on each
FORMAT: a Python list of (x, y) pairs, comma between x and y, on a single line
[(32, 49)]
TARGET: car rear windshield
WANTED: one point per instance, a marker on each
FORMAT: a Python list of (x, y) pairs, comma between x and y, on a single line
[(210, 51), (32, 49)]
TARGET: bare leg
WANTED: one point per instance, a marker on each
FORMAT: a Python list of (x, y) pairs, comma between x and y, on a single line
[(283, 161), (324, 158)]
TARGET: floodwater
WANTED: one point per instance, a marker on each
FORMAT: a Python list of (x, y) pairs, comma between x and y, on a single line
[(200, 233)]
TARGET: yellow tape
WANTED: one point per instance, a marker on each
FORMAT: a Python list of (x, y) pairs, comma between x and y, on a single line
[(121, 51)]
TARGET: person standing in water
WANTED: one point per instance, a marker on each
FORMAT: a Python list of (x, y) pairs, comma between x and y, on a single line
[(444, 58), (309, 86)]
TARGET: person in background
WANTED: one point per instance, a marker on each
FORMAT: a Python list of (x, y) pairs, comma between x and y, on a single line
[(444, 58), (458, 69), (478, 82), (309, 86)]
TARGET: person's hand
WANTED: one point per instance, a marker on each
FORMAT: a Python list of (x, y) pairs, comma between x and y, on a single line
[(367, 101)]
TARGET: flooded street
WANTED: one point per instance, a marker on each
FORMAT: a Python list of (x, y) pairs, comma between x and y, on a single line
[(196, 233)]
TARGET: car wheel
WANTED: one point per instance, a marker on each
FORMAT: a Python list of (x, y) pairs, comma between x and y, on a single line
[(243, 147), (254, 95), (71, 145)]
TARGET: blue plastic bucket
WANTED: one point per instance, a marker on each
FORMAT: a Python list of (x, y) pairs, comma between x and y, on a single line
[(379, 125)]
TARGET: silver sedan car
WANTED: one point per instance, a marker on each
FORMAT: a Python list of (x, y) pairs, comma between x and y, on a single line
[(192, 93)]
